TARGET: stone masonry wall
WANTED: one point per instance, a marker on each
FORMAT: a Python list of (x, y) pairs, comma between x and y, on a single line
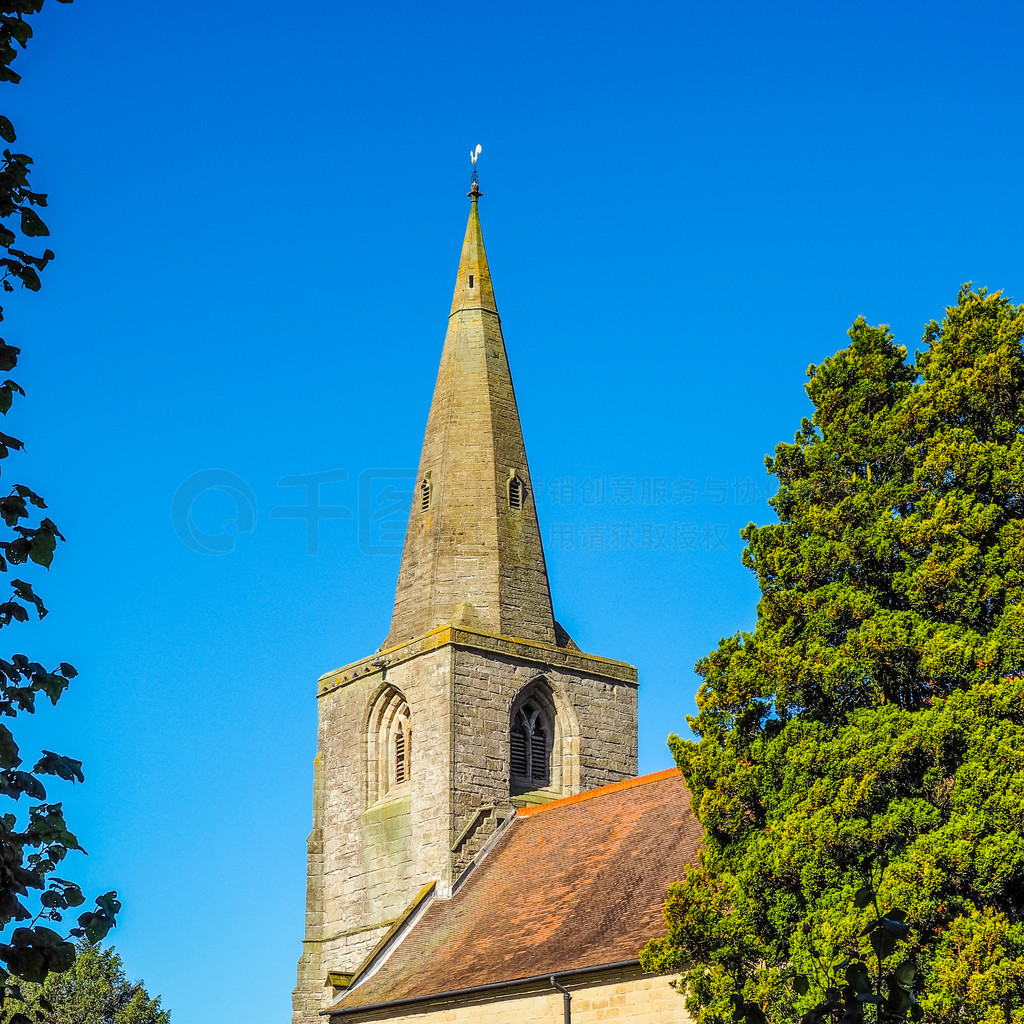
[(624, 996), (596, 728), (468, 544), (307, 994), (371, 859), (368, 858)]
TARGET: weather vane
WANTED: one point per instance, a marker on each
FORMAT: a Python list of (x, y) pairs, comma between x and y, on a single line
[(474, 190)]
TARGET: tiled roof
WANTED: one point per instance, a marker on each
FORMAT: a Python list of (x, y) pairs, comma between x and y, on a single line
[(572, 884)]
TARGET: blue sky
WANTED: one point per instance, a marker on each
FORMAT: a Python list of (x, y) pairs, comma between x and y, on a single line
[(257, 211)]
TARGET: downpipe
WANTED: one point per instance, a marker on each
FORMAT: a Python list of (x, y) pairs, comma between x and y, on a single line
[(566, 1001)]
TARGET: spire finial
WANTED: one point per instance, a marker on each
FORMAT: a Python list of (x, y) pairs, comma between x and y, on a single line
[(474, 193)]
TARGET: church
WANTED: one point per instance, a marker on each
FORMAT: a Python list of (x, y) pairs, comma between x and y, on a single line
[(481, 846)]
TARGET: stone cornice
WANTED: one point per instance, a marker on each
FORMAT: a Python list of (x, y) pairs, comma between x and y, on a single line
[(526, 650)]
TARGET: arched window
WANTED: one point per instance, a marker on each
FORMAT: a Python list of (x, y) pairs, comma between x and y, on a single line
[(530, 747), (389, 745), (425, 493), (543, 743)]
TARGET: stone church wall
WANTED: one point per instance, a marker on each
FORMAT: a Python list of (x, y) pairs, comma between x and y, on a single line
[(595, 740), (371, 850), (369, 857), (623, 997)]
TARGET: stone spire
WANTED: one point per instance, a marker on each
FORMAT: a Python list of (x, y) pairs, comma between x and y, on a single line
[(473, 553)]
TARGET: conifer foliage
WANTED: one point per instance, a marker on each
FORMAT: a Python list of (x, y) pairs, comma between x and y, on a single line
[(33, 898), (96, 991), (876, 712)]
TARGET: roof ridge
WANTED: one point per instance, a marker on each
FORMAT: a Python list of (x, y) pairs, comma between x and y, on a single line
[(612, 787)]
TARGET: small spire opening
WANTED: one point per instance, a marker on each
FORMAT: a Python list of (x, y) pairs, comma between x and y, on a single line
[(470, 280), (425, 493), (516, 491)]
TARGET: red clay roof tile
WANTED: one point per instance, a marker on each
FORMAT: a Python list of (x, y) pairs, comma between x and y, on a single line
[(572, 884)]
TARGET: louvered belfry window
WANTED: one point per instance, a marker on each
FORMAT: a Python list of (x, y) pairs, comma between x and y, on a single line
[(539, 754), (520, 761), (401, 760), (401, 748), (529, 747)]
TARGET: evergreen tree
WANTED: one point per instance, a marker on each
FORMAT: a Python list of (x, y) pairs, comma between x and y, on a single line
[(94, 991), (877, 708)]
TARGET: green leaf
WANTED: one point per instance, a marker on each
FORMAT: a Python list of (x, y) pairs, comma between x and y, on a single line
[(893, 923), (31, 224), (21, 489), (25, 782), (51, 526), (27, 259), (60, 957), (904, 974), (45, 937), (11, 611), (41, 547), (13, 508), (27, 964), (6, 129), (66, 768), (73, 895), (26, 593), (863, 897), (47, 827), (899, 1002), (30, 279), (870, 997), (8, 356), (883, 943), (8, 749), (858, 978), (19, 29), (97, 923), (800, 984)]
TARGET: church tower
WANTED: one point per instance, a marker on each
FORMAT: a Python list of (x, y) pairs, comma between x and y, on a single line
[(477, 702)]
